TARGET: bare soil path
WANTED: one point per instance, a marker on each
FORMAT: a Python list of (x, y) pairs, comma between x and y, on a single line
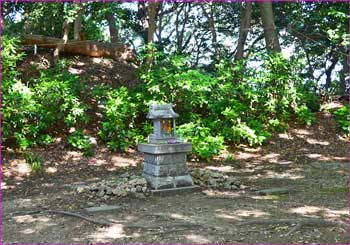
[(311, 161)]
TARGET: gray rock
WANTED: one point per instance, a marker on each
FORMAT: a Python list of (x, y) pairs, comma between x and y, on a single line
[(109, 191), (102, 209), (275, 191), (100, 193), (91, 204), (133, 190), (216, 175), (144, 189), (81, 189), (212, 182), (138, 188)]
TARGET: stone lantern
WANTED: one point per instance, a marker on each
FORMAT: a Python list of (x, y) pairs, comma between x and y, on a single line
[(164, 125), (165, 155)]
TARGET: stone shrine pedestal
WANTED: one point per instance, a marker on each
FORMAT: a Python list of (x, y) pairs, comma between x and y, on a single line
[(165, 165)]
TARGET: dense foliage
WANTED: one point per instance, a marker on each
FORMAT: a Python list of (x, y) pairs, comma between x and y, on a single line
[(34, 111), (222, 98), (342, 116)]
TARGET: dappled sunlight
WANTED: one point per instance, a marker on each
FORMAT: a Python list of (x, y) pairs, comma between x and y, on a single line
[(269, 174), (315, 141), (320, 157), (313, 211), (75, 71), (299, 131), (285, 136), (28, 231), (107, 234), (73, 155), (213, 193), (18, 167), (197, 238), (50, 170), (241, 214), (179, 216), (251, 213), (224, 169), (245, 155), (271, 156)]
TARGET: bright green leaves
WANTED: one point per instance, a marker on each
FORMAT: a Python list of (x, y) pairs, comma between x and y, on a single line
[(119, 115), (342, 116), (204, 144), (81, 141)]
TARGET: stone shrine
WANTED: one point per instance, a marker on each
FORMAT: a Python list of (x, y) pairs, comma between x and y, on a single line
[(165, 155)]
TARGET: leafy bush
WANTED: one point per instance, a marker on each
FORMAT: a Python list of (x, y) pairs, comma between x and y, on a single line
[(203, 143), (118, 128), (234, 101), (80, 141), (33, 110), (305, 115), (35, 162), (342, 116)]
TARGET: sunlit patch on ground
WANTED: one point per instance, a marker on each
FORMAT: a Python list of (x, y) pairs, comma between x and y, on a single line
[(107, 234), (285, 136), (272, 174), (241, 214), (314, 211), (197, 238), (315, 141)]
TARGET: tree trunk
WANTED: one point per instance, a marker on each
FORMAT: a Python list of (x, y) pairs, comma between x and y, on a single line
[(113, 31), (90, 48), (328, 72), (270, 32), (246, 16), (152, 7), (60, 43), (152, 12), (141, 14), (78, 33)]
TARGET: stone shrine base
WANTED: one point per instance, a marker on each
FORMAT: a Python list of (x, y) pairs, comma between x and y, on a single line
[(165, 165)]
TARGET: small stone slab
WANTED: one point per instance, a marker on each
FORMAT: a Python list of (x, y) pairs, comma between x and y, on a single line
[(102, 209), (275, 191), (164, 148), (177, 190)]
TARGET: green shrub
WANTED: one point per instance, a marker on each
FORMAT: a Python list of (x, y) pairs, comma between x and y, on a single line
[(80, 141), (118, 126), (342, 116), (305, 115), (33, 110), (204, 145), (35, 162)]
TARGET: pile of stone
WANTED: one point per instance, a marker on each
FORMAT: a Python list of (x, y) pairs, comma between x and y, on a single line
[(124, 185), (213, 179)]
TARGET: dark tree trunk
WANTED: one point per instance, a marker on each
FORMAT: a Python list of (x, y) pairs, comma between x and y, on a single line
[(246, 16), (141, 14), (328, 72), (270, 32), (113, 31)]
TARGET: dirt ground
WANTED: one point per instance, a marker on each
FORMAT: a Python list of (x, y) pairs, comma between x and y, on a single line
[(310, 161)]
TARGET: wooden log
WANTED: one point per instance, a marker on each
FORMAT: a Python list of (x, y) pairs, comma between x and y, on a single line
[(115, 51)]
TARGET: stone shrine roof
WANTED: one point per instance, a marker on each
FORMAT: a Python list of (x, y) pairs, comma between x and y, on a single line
[(161, 111)]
